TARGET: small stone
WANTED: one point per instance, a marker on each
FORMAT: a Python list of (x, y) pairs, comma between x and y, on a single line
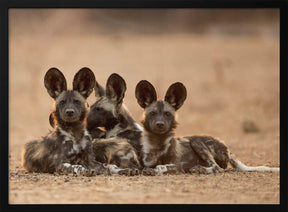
[(249, 127)]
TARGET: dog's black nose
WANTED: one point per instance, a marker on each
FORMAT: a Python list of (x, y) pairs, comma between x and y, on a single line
[(69, 112), (160, 124)]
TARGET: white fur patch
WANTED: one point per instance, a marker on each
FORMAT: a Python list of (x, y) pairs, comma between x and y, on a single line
[(66, 165), (242, 167), (74, 169), (138, 127), (113, 168), (78, 169), (161, 169), (209, 170)]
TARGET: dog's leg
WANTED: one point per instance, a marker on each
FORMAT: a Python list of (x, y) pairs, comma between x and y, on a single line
[(77, 170), (204, 153), (148, 171), (67, 168), (166, 169), (113, 169), (160, 170)]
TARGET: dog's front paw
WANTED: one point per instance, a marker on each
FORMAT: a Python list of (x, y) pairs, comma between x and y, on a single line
[(171, 169), (166, 169), (148, 171), (94, 172), (134, 172), (217, 169), (65, 168), (129, 172), (200, 170), (100, 169), (79, 170), (206, 170)]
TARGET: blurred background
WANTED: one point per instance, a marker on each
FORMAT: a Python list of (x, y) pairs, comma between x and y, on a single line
[(228, 59)]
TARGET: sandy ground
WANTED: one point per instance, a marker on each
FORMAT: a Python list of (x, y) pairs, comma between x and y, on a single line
[(229, 80)]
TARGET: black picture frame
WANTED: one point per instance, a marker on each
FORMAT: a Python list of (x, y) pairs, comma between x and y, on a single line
[(8, 4)]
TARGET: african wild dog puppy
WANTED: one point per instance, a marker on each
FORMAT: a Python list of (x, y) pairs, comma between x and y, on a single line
[(118, 155), (109, 112), (199, 153), (68, 148)]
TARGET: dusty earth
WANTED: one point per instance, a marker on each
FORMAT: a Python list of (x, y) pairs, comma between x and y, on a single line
[(230, 80)]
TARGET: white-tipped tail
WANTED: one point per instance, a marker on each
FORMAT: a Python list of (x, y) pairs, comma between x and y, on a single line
[(238, 165)]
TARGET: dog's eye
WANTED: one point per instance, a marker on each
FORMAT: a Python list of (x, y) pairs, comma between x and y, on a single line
[(153, 113), (168, 114), (76, 101), (62, 102)]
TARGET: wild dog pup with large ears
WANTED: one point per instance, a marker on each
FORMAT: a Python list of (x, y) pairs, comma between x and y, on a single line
[(200, 154), (110, 113), (68, 148)]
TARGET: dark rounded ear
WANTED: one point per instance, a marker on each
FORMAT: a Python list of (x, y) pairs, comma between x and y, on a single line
[(54, 82), (115, 88), (145, 93), (176, 95), (84, 82), (99, 90)]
